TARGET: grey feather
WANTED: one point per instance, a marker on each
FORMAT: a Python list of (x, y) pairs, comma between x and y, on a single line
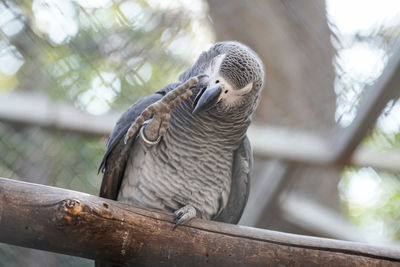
[(114, 160), (240, 186), (205, 159)]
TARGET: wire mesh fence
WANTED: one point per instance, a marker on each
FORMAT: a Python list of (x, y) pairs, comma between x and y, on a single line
[(98, 56), (363, 50)]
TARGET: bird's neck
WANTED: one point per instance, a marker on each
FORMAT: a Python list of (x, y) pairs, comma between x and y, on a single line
[(226, 131)]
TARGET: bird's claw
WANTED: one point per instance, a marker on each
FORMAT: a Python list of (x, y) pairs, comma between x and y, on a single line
[(183, 215), (162, 108), (127, 135)]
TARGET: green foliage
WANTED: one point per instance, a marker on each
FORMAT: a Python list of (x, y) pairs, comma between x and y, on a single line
[(372, 201)]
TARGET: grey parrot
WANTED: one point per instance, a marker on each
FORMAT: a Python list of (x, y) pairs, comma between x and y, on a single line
[(184, 148)]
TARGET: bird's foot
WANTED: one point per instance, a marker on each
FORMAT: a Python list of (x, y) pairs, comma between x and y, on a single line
[(160, 112), (183, 215)]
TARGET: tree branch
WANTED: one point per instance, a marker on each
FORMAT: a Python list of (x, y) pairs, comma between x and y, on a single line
[(79, 224)]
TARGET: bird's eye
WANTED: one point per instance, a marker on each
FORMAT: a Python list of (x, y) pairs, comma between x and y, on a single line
[(226, 91), (217, 81)]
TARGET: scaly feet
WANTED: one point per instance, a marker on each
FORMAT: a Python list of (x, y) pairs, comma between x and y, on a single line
[(160, 112), (183, 215)]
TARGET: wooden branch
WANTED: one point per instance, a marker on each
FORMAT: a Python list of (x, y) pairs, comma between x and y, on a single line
[(79, 224)]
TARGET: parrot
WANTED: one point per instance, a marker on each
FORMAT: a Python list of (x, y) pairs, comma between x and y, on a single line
[(184, 149)]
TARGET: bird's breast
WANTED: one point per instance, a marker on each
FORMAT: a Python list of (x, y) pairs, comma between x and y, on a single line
[(176, 172)]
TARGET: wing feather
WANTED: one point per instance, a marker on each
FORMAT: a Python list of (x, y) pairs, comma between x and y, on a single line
[(240, 185), (114, 161)]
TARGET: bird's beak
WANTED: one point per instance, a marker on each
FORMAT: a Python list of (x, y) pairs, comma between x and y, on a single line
[(205, 99)]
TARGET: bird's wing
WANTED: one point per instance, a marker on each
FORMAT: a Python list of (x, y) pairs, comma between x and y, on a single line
[(240, 185), (114, 160)]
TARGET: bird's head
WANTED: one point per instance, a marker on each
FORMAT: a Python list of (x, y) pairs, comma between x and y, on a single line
[(234, 82)]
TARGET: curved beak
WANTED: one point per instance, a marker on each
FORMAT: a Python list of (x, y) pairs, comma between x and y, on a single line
[(205, 99)]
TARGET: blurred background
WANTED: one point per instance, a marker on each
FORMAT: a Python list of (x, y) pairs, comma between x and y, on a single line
[(326, 135)]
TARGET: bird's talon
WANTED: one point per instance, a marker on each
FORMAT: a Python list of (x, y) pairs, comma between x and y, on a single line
[(183, 215), (128, 135), (178, 214), (179, 222), (162, 108)]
